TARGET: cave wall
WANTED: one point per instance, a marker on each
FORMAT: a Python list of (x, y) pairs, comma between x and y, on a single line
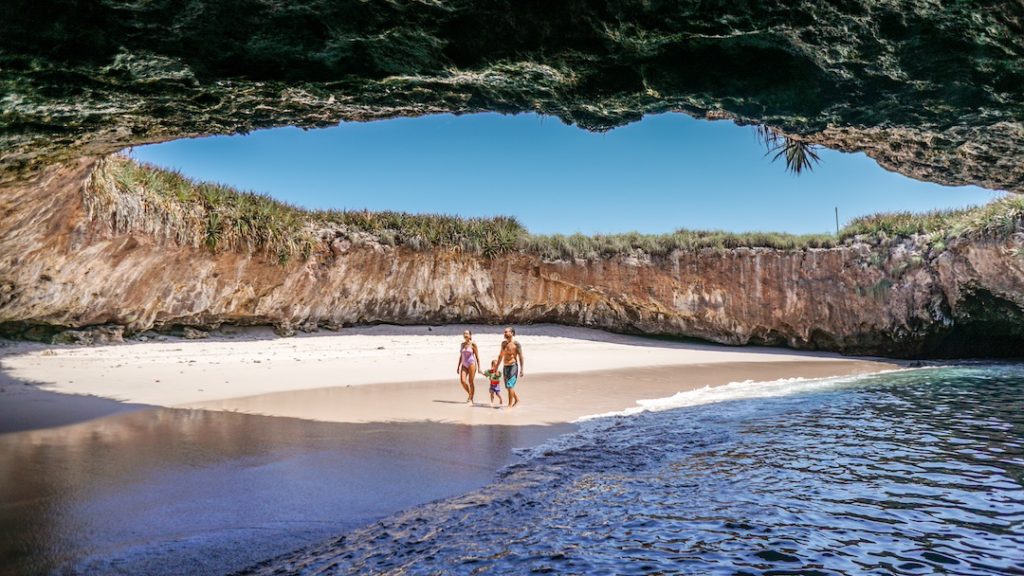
[(932, 90), (74, 256)]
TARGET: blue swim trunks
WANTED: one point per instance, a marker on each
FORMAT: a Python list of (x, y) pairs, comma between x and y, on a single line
[(511, 374)]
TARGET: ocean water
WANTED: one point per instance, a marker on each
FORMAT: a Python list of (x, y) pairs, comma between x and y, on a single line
[(910, 472)]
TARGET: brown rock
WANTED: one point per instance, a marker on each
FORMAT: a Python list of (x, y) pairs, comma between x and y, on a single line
[(190, 333), (888, 299), (98, 335)]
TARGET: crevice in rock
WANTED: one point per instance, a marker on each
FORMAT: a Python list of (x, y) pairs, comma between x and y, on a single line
[(987, 326)]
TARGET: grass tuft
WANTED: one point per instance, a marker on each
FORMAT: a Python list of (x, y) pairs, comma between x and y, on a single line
[(164, 203), (1000, 218)]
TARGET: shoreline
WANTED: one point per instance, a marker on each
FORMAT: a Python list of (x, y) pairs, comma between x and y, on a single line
[(295, 464), (550, 399), (404, 373)]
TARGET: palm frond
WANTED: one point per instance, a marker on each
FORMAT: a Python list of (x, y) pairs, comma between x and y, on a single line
[(799, 155)]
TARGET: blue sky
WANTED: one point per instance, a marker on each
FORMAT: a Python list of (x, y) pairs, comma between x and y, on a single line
[(658, 175)]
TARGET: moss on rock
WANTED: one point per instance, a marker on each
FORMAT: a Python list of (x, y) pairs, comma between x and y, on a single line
[(934, 91)]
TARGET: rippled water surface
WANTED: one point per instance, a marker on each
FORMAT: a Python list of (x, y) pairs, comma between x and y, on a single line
[(914, 472)]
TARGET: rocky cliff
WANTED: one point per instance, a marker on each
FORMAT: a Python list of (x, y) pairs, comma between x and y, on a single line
[(76, 254), (934, 90)]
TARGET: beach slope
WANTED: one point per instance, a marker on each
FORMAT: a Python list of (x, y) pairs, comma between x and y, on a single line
[(392, 373)]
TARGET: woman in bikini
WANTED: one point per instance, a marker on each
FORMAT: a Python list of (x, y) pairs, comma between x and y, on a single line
[(469, 365)]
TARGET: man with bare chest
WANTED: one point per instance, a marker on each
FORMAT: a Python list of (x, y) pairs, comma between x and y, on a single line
[(511, 361)]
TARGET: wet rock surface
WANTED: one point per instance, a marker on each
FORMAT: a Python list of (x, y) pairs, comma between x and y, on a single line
[(934, 91)]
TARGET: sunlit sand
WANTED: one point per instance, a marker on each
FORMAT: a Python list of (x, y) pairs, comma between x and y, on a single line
[(390, 373)]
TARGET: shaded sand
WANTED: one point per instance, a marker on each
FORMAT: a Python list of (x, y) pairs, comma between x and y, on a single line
[(569, 373), (25, 406)]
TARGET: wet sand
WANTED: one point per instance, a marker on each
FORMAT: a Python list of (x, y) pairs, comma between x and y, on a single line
[(544, 399), (168, 491)]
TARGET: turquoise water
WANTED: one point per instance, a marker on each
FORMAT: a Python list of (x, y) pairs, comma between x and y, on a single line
[(912, 472)]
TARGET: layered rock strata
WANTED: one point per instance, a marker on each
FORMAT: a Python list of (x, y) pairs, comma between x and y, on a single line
[(934, 90), (73, 258)]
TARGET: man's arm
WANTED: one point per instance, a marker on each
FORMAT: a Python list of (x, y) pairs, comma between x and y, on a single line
[(519, 353)]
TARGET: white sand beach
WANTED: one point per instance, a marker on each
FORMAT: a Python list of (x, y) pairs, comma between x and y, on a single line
[(408, 374)]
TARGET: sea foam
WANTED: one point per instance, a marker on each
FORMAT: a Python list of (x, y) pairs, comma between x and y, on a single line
[(743, 390)]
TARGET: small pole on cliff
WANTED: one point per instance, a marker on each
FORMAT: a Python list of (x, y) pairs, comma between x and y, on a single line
[(837, 221)]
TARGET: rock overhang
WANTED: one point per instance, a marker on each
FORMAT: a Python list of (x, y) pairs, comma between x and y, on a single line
[(934, 92)]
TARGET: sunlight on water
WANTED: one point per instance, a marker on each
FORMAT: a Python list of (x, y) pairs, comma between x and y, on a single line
[(910, 472)]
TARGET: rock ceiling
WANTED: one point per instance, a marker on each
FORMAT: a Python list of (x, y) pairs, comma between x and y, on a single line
[(929, 89)]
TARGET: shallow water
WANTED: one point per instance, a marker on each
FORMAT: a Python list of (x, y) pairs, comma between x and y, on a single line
[(160, 491), (913, 472)]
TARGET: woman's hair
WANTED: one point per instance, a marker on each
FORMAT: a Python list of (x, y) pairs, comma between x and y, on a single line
[(470, 332)]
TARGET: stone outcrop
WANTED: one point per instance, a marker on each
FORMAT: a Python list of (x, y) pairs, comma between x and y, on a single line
[(930, 89), (69, 261)]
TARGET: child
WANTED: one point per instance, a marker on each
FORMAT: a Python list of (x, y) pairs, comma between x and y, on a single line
[(494, 375)]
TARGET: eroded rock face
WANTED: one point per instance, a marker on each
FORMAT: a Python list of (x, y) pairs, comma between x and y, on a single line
[(932, 90), (64, 266)]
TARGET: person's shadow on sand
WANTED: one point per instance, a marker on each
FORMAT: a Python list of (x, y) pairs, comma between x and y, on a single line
[(463, 403)]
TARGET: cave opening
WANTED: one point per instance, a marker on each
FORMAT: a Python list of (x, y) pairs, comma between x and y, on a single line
[(665, 173), (685, 223)]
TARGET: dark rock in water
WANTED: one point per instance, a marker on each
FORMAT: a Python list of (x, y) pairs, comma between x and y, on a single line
[(931, 90)]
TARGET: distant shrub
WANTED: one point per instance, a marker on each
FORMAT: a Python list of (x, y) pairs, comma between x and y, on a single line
[(997, 219), (577, 246), (220, 217), (226, 219)]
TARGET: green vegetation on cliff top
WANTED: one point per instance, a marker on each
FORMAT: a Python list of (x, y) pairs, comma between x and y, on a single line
[(223, 218)]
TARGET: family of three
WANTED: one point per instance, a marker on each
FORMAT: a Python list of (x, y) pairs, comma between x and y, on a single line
[(510, 359)]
